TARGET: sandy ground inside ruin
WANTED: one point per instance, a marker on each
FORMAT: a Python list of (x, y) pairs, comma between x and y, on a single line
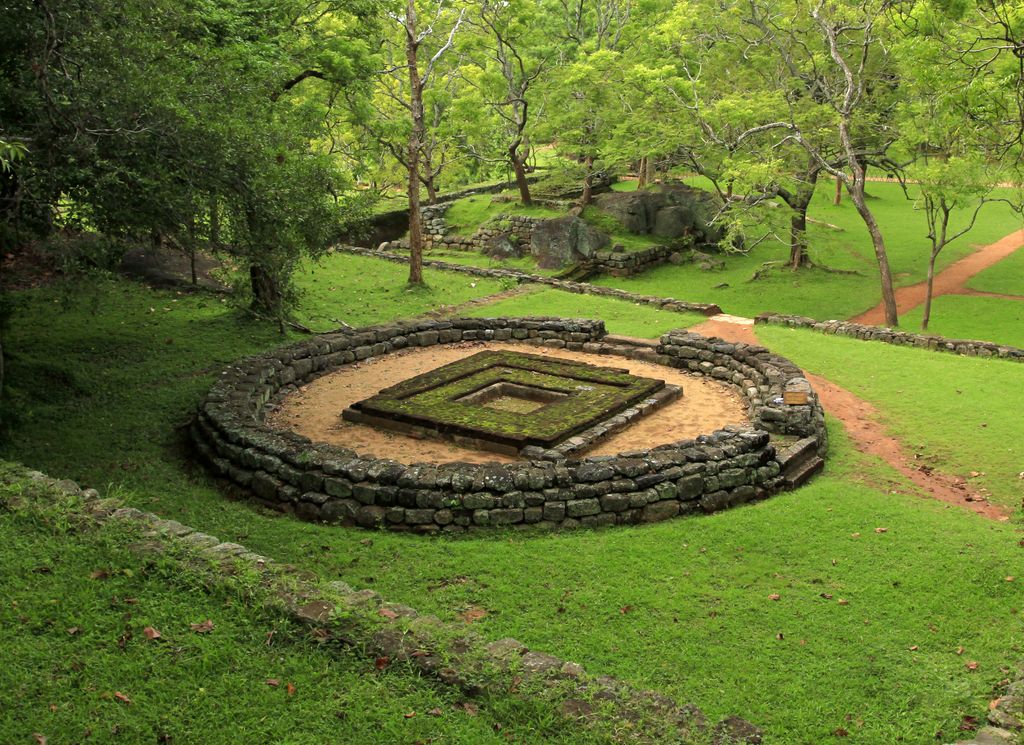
[(315, 409)]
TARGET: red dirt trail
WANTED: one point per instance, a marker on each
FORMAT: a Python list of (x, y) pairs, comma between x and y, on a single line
[(860, 419), (950, 281)]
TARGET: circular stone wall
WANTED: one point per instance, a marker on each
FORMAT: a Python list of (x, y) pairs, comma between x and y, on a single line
[(316, 481)]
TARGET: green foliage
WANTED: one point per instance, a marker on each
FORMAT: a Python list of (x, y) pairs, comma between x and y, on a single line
[(181, 125)]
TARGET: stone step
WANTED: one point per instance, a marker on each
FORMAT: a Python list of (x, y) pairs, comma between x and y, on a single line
[(802, 474), (629, 341), (800, 462)]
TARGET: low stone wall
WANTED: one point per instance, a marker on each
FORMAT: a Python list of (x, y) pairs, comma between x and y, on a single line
[(966, 347), (629, 263), (583, 288), (288, 472)]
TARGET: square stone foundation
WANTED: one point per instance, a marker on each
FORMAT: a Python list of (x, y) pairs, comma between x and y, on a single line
[(514, 403)]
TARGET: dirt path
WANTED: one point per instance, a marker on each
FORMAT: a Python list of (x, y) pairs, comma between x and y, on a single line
[(950, 281), (861, 421)]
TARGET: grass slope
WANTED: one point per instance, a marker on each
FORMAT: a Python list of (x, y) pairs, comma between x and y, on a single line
[(343, 288), (466, 214), (971, 317), (817, 293), (620, 317), (73, 640), (1006, 277), (958, 412)]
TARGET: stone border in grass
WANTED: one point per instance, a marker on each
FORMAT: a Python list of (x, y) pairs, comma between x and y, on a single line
[(965, 347), (390, 633), (580, 288), (315, 481)]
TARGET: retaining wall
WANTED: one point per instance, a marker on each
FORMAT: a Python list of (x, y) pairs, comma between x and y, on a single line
[(967, 347), (288, 472)]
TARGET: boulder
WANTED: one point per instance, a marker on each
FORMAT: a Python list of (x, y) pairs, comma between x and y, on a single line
[(502, 246), (669, 211), (565, 240)]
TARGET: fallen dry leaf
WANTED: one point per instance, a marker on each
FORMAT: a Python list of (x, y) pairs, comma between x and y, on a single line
[(775, 596), (840, 732), (968, 723), (409, 714), (881, 530), (780, 636), (914, 648), (1010, 578), (959, 650), (40, 739), (99, 574), (854, 535), (625, 609), (150, 633), (122, 697), (435, 712), (843, 601), (273, 682), (202, 628), (381, 662), (290, 688), (470, 708), (472, 614), (387, 613), (972, 665), (73, 630)]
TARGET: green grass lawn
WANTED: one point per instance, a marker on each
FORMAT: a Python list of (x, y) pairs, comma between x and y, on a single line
[(344, 288), (1006, 277), (620, 317), (959, 413), (467, 214), (71, 627), (682, 606), (973, 317), (817, 293)]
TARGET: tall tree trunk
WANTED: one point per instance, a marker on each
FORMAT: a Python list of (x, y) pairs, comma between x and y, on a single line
[(431, 190), (520, 170), (798, 238), (801, 200), (266, 292), (650, 170), (838, 198), (878, 242), (214, 222), (588, 193), (415, 142), (927, 315), (641, 174)]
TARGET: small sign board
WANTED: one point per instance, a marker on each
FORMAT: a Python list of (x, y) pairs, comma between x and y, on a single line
[(794, 398)]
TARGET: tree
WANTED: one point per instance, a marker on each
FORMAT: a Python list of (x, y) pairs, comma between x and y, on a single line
[(403, 83), (123, 109), (506, 26), (954, 127)]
